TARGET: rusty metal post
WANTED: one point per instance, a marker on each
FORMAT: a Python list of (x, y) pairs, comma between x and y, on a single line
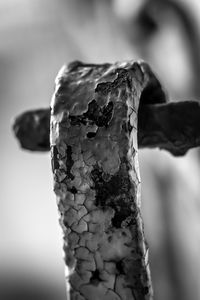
[(97, 182)]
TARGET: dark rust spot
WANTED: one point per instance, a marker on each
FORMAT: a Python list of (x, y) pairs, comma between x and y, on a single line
[(115, 192), (95, 278), (69, 163), (55, 164), (95, 115), (73, 190), (90, 135), (120, 267)]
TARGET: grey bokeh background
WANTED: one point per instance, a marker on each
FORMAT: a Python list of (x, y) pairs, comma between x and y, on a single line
[(37, 38)]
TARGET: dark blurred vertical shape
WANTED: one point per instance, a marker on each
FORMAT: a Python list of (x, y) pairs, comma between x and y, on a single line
[(171, 193), (172, 270), (180, 233), (151, 16)]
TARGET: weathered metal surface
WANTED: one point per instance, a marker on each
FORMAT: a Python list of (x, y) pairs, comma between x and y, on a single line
[(32, 129), (172, 126), (97, 182), (94, 158)]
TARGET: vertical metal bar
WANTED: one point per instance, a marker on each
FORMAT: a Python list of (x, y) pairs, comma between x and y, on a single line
[(97, 183)]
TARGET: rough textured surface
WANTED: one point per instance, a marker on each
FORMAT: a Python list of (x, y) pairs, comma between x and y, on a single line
[(96, 180), (32, 129), (172, 126)]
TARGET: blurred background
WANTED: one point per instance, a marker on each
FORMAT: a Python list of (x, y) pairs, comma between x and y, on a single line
[(37, 38)]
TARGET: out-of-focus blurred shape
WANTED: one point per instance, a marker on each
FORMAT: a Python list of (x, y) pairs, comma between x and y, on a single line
[(29, 287), (166, 33)]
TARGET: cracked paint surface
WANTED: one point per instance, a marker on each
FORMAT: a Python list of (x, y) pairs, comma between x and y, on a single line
[(97, 182)]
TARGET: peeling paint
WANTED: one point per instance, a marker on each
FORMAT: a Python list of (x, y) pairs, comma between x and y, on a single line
[(96, 180)]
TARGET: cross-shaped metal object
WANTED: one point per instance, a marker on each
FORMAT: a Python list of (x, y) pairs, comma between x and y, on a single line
[(98, 112)]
